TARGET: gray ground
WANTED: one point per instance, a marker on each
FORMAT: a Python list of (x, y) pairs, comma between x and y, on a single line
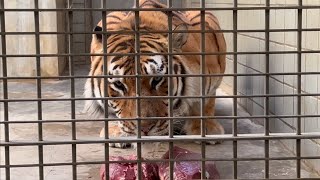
[(59, 110)]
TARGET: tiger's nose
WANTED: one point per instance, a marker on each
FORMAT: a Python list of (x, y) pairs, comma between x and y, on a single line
[(145, 130)]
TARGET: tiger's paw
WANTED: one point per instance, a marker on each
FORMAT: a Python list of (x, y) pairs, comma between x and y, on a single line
[(212, 128), (120, 145), (210, 142)]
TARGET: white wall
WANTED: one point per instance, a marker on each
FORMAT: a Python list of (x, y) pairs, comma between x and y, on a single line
[(280, 41), (23, 21)]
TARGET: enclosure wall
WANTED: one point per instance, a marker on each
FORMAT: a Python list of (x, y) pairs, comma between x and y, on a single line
[(23, 44), (279, 63)]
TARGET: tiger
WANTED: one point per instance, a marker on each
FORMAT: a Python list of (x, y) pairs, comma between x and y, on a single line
[(156, 67)]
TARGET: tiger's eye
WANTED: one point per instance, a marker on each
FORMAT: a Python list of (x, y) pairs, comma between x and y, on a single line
[(158, 78), (118, 83)]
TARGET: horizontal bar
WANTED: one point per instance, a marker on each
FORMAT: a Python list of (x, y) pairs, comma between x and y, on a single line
[(164, 54), (162, 160), (179, 138), (159, 118), (160, 9), (162, 75), (166, 31), (161, 97)]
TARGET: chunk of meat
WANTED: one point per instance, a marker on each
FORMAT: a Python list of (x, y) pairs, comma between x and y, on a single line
[(182, 170), (186, 170), (129, 171)]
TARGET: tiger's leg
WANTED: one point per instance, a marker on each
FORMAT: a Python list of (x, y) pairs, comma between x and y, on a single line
[(193, 127), (115, 131)]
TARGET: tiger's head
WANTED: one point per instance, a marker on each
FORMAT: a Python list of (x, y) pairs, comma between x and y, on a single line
[(152, 66)]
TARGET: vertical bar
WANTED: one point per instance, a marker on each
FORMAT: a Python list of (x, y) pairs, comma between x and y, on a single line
[(266, 102), (138, 84), (105, 72), (202, 88), (72, 93), (5, 90), (38, 69), (235, 87), (170, 89), (299, 48)]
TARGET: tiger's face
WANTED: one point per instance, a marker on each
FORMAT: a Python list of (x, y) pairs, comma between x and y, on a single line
[(150, 86), (152, 82)]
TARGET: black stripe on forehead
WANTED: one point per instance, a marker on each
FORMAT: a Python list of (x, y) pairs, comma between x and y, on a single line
[(114, 16)]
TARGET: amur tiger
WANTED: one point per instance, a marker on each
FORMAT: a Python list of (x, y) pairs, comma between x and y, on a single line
[(156, 65)]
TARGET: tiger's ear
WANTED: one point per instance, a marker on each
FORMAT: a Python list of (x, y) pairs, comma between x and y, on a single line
[(97, 36), (179, 38)]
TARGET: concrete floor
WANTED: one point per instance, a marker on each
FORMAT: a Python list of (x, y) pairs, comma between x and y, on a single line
[(59, 110)]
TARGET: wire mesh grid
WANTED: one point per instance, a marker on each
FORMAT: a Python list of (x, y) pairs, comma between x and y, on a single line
[(171, 138)]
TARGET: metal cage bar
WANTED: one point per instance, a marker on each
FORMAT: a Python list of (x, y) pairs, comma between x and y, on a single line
[(152, 31), (174, 53), (202, 87), (267, 99), (166, 9), (105, 73), (235, 89), (162, 31), (72, 88), (234, 137), (170, 88), (165, 75), (39, 87), (160, 118), (162, 97), (177, 138), (299, 86), (5, 91), (138, 86)]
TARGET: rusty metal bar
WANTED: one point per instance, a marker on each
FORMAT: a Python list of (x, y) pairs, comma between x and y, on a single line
[(267, 82), (164, 9), (176, 138), (39, 96), (235, 89), (5, 92), (162, 97), (165, 54), (105, 78), (165, 75), (202, 86), (72, 86), (159, 118), (138, 85), (152, 31), (299, 87), (170, 89)]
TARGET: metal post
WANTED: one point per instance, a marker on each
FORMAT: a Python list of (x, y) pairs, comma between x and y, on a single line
[(72, 86), (138, 85), (170, 89), (299, 84), (235, 88), (202, 87), (267, 81), (5, 90)]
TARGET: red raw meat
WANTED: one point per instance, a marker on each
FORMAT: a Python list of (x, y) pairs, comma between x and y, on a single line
[(128, 171), (183, 170), (186, 170)]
